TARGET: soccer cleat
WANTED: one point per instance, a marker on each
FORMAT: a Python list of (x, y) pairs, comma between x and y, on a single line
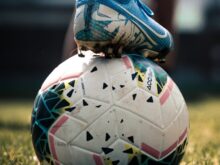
[(116, 26)]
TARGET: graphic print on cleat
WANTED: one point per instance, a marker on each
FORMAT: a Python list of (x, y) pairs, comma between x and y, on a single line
[(113, 27)]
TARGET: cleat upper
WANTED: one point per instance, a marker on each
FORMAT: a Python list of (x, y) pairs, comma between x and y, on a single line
[(120, 23)]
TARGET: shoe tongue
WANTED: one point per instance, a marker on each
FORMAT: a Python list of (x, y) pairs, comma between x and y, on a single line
[(147, 10)]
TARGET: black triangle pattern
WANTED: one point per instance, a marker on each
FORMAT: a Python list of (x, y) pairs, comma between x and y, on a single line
[(104, 86), (72, 83), (62, 104), (85, 103), (107, 137), (128, 151), (122, 86), (60, 87), (54, 86), (134, 96), (107, 150), (140, 79), (150, 100), (115, 162), (159, 90), (94, 69), (134, 75), (70, 109), (89, 136), (131, 139), (81, 55), (60, 92), (70, 93)]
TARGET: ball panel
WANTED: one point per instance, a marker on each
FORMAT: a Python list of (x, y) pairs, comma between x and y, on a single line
[(96, 84), (115, 66), (62, 72), (81, 156), (151, 138), (59, 150), (53, 140), (178, 97), (170, 140), (128, 126), (73, 91), (143, 104), (183, 120), (168, 107), (121, 153), (88, 110), (99, 134), (71, 128), (122, 84)]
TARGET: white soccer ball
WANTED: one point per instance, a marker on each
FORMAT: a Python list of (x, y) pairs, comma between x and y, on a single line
[(95, 111)]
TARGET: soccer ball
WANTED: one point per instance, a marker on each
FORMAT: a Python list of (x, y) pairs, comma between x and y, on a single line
[(95, 111)]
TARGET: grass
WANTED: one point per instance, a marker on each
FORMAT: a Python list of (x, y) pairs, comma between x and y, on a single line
[(203, 148), (204, 140), (15, 137)]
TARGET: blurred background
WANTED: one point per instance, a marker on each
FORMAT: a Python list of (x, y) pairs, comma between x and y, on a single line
[(32, 35), (31, 44)]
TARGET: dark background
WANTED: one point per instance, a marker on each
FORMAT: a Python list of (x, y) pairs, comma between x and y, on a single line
[(32, 35)]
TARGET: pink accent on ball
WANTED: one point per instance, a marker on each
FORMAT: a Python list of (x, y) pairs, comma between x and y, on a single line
[(166, 94), (182, 137), (169, 149), (170, 85), (97, 159), (157, 154), (127, 62), (52, 132), (151, 151), (52, 148)]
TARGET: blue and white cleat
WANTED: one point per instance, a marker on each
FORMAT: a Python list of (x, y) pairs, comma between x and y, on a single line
[(116, 26)]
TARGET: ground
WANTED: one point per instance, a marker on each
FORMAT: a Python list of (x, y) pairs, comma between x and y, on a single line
[(203, 148)]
